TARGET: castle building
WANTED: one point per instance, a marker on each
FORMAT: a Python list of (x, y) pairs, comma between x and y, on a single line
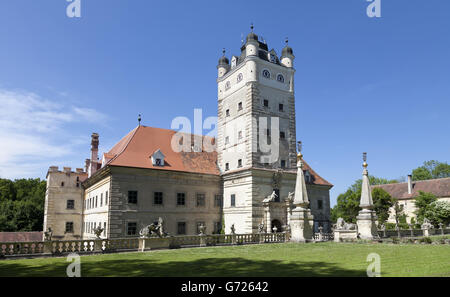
[(407, 192), (244, 181)]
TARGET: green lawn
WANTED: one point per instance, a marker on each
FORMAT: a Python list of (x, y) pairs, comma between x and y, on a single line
[(290, 259)]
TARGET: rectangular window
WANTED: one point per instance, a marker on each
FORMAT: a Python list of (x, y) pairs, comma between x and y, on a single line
[(158, 198), (283, 163), (240, 135), (217, 200), (200, 200), (239, 163), (227, 112), (282, 135), (181, 199), (104, 228), (319, 204), (181, 228), (217, 227), (227, 140), (131, 228), (96, 200), (70, 204), (106, 198), (266, 103), (69, 227), (280, 107), (233, 200), (132, 197), (240, 106), (227, 166), (101, 199)]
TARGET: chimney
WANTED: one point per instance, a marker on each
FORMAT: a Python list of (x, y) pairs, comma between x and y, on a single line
[(67, 169), (94, 147), (94, 154), (79, 170), (53, 169), (410, 186)]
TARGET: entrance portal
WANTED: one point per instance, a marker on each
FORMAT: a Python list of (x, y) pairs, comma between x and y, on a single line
[(276, 223)]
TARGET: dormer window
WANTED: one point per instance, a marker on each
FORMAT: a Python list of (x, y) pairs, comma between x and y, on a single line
[(240, 77), (308, 177), (266, 73), (158, 158)]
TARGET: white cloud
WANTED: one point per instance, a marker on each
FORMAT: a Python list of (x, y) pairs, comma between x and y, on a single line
[(35, 132)]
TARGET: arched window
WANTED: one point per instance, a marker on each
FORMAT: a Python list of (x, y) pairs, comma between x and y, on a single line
[(280, 78), (266, 73), (227, 85), (239, 77)]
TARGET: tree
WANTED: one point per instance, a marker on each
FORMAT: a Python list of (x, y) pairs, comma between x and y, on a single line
[(398, 212), (438, 212), (22, 204), (347, 206), (431, 170), (382, 201), (422, 203)]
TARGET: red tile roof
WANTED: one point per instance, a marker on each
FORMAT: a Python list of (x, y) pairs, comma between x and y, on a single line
[(316, 179), (438, 187), (20, 236), (137, 147)]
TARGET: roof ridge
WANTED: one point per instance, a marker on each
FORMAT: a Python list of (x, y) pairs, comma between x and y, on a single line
[(126, 145)]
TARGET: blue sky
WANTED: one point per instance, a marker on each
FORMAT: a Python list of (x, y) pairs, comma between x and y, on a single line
[(379, 85)]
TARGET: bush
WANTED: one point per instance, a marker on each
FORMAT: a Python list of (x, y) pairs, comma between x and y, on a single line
[(425, 240)]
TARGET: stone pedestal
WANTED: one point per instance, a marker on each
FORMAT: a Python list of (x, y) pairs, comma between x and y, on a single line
[(48, 247), (345, 235), (146, 244), (98, 245), (367, 227), (233, 239), (301, 225), (202, 240), (261, 238)]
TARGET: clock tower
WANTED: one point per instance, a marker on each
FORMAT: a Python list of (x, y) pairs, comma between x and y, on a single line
[(256, 134)]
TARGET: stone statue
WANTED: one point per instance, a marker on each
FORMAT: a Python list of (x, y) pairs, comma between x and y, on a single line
[(48, 234), (202, 229), (342, 225), (426, 224), (261, 227), (153, 230), (291, 197), (271, 197), (382, 227), (233, 230), (274, 229), (98, 231)]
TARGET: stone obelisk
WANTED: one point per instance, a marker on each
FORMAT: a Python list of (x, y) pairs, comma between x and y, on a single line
[(301, 220), (367, 217)]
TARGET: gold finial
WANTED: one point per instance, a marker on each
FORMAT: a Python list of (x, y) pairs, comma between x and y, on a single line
[(365, 159), (299, 148)]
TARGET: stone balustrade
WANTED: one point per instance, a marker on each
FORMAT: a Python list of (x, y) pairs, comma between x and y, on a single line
[(90, 246)]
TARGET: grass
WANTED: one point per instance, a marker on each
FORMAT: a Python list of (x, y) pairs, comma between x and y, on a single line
[(288, 259)]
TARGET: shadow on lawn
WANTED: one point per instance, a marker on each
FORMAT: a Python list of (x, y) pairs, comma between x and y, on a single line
[(201, 267)]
